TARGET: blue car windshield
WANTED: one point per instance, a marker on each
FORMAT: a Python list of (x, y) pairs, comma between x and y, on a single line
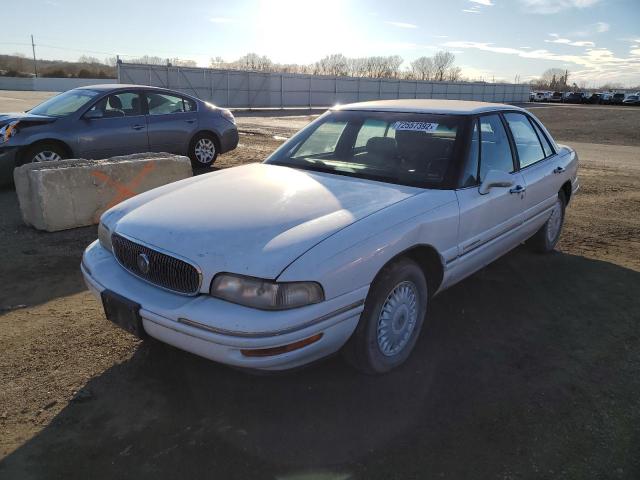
[(65, 104)]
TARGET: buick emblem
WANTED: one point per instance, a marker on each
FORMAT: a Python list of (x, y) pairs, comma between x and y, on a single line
[(143, 263)]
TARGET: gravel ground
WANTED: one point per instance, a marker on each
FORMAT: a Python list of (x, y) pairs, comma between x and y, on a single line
[(528, 369)]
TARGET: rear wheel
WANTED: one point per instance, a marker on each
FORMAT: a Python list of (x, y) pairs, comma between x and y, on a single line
[(392, 319), (43, 152), (546, 239), (203, 151)]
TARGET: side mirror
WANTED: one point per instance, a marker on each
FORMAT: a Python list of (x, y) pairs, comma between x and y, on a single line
[(94, 114), (495, 178)]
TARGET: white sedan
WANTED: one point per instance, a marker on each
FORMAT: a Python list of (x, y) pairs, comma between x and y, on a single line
[(339, 239)]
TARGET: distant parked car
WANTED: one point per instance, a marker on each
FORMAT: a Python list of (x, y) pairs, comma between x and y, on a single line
[(594, 98), (618, 98), (606, 98), (539, 97), (632, 100), (556, 97), (106, 120), (574, 97), (339, 239)]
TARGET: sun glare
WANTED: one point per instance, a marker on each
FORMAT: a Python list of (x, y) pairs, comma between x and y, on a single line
[(302, 30)]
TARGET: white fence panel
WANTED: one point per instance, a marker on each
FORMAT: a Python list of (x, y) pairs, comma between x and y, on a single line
[(240, 89)]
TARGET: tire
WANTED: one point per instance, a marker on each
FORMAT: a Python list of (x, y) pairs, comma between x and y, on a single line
[(203, 150), (545, 239), (43, 152), (370, 349)]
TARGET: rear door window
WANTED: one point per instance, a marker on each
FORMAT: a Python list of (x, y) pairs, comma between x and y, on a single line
[(526, 140), (546, 146), (165, 104)]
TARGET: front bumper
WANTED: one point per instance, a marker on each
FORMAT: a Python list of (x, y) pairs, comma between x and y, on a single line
[(7, 164), (218, 330)]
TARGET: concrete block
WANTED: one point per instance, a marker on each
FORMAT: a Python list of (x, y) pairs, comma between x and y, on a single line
[(74, 193)]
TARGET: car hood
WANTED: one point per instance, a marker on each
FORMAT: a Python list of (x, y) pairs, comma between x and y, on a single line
[(255, 219), (24, 117)]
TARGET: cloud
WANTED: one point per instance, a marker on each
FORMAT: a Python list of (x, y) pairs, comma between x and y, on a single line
[(221, 20), (478, 5), (402, 24), (602, 27), (596, 64), (565, 41), (546, 7)]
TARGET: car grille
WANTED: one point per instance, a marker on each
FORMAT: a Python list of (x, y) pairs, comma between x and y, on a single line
[(164, 270)]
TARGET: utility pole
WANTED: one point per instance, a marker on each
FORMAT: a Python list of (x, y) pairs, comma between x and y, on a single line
[(35, 62)]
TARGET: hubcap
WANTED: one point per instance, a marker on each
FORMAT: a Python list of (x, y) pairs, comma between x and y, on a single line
[(205, 150), (397, 319), (555, 221), (46, 156)]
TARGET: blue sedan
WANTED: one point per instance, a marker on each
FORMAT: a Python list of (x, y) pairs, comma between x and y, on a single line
[(101, 121)]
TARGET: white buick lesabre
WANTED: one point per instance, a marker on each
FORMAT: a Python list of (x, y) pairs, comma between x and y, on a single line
[(338, 240)]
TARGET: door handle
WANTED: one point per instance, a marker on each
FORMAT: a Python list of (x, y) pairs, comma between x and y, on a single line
[(558, 170), (190, 121), (138, 127), (517, 189)]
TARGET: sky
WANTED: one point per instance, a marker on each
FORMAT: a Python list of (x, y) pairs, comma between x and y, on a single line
[(598, 41)]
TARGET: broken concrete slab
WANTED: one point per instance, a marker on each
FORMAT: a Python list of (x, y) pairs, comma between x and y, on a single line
[(74, 193)]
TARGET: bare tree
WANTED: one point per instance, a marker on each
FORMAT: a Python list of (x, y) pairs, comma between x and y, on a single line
[(148, 60), (382, 67), (88, 59), (454, 74), (422, 68), (217, 62), (181, 62), (442, 62), (253, 61), (336, 65), (555, 78)]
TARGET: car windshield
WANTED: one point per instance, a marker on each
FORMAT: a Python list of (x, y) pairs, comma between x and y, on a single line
[(632, 97), (65, 104), (403, 148)]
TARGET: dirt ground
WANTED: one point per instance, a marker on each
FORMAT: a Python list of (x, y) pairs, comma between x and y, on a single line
[(528, 369)]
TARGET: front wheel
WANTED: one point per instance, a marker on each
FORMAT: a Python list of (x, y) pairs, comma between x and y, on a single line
[(43, 152), (203, 151), (547, 237), (390, 324)]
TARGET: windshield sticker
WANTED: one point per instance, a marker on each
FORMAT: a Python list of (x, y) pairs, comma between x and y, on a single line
[(416, 126)]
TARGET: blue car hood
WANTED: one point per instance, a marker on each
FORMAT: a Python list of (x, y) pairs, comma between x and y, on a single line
[(24, 117)]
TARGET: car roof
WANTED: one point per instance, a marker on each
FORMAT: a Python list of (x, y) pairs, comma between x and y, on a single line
[(451, 107), (119, 86)]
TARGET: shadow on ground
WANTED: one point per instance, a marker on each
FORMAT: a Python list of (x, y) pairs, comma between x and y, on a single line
[(528, 369), (30, 255)]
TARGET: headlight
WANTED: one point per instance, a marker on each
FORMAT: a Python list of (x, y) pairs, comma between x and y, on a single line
[(8, 131), (265, 294), (104, 236)]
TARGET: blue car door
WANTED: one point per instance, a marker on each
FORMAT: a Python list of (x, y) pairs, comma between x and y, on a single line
[(172, 120), (114, 125)]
